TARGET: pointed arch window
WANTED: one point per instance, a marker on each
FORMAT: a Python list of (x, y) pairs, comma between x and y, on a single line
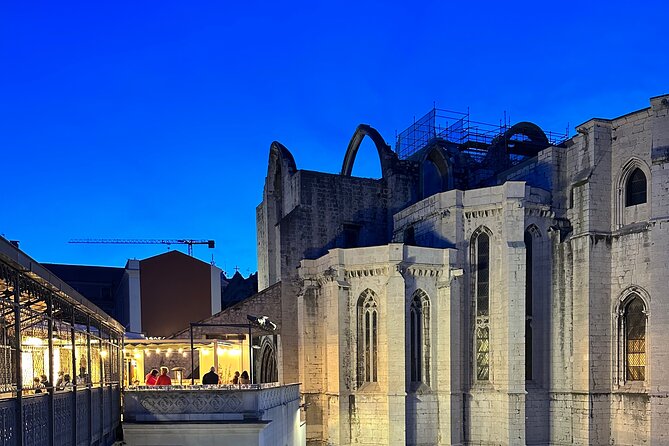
[(419, 338), (529, 269), (268, 369), (634, 330), (368, 322), (481, 255), (635, 189)]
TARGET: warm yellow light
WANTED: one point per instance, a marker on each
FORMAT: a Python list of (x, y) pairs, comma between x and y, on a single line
[(184, 354), (235, 352), (103, 353), (181, 350), (125, 350), (205, 352), (148, 352), (33, 341), (137, 356), (157, 350), (169, 350), (220, 351)]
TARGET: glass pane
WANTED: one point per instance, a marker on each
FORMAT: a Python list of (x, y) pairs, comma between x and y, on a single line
[(635, 340), (636, 188), (482, 352), (374, 348), (482, 274)]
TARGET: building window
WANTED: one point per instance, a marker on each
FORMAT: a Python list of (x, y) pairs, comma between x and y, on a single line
[(481, 255), (268, 369), (351, 235), (419, 334), (482, 353), (635, 340), (368, 321), (410, 236), (635, 189), (529, 238)]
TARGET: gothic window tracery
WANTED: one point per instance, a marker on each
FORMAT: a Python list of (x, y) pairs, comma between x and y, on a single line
[(268, 368), (529, 300), (419, 334), (634, 330), (368, 322), (481, 255)]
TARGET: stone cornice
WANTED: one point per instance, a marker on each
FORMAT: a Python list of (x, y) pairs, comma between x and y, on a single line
[(367, 271), (422, 270), (483, 213), (537, 210)]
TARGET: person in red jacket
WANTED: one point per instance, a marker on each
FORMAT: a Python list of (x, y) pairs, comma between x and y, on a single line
[(164, 379), (151, 378)]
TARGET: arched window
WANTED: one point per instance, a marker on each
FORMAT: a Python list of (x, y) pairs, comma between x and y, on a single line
[(268, 370), (634, 330), (529, 300), (419, 337), (635, 189), (368, 322), (431, 178), (481, 255)]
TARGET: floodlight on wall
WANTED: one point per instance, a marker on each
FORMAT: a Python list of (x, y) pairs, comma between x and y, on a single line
[(262, 322)]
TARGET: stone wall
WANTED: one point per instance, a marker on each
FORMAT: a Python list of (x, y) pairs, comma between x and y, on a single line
[(589, 251)]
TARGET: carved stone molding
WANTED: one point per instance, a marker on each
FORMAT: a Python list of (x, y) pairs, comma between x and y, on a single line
[(422, 271), (539, 211), (182, 403), (483, 213), (369, 271)]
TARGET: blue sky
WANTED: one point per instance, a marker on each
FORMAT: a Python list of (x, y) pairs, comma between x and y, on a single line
[(154, 119)]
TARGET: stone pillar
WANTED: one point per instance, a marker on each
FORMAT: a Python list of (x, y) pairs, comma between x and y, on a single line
[(658, 320), (510, 323), (449, 383), (394, 318)]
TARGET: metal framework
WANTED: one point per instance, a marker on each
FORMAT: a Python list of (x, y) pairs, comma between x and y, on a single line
[(473, 137), (262, 324), (46, 332), (116, 241)]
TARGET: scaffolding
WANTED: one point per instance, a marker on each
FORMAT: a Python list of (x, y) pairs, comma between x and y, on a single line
[(473, 137)]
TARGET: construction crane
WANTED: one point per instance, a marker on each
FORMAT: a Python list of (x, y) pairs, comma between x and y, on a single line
[(115, 241)]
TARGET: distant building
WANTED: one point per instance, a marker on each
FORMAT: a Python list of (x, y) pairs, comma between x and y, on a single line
[(177, 289), (495, 286), (237, 288), (157, 296), (99, 284)]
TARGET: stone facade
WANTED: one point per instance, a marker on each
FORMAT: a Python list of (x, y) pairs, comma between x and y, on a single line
[(521, 302)]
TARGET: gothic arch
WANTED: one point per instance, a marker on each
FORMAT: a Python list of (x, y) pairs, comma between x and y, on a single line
[(631, 339), (367, 337), (281, 162), (479, 230), (280, 168), (268, 364), (436, 157), (419, 341), (480, 255), (530, 130), (386, 156), (507, 149), (534, 230), (625, 296)]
